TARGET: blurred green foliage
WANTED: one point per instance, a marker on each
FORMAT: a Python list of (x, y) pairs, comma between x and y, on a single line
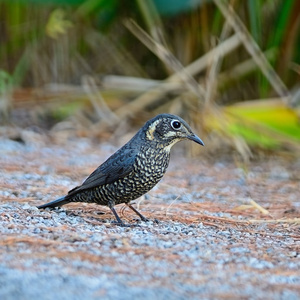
[(268, 124), (60, 41), (188, 30)]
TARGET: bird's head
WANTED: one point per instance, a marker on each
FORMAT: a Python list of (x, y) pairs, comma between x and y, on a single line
[(167, 130)]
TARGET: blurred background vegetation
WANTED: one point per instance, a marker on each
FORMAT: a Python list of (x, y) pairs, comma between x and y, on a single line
[(230, 68)]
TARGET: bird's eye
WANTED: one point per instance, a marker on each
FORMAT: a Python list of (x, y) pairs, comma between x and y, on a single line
[(175, 124)]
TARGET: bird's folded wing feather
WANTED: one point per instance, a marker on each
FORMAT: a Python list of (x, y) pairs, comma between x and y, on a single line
[(116, 167)]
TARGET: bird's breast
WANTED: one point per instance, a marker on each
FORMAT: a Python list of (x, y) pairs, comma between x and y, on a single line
[(151, 165)]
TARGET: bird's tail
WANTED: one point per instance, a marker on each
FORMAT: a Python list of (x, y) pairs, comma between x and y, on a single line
[(58, 202)]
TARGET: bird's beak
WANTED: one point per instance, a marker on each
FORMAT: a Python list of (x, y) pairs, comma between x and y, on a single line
[(196, 139)]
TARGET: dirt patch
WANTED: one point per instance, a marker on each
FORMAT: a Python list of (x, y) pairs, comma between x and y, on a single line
[(223, 231)]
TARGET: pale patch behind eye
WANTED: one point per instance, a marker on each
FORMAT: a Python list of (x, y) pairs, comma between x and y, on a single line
[(151, 130), (170, 134)]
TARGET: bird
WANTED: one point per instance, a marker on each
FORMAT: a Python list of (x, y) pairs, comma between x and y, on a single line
[(134, 169)]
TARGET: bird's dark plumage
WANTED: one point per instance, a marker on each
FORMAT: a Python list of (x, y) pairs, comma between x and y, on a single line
[(135, 168)]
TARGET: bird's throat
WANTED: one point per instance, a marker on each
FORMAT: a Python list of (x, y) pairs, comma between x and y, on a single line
[(169, 146)]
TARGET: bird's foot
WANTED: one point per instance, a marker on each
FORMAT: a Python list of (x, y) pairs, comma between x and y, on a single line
[(155, 221), (121, 224), (144, 219)]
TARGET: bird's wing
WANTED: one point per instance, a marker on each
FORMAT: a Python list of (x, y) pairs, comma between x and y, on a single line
[(115, 167)]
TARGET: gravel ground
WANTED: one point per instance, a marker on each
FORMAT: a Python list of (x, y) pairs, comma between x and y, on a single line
[(208, 243)]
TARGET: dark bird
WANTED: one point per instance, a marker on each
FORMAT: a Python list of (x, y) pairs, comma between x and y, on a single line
[(135, 168)]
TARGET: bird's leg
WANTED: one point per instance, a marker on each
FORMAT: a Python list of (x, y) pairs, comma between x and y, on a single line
[(138, 213), (119, 221)]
